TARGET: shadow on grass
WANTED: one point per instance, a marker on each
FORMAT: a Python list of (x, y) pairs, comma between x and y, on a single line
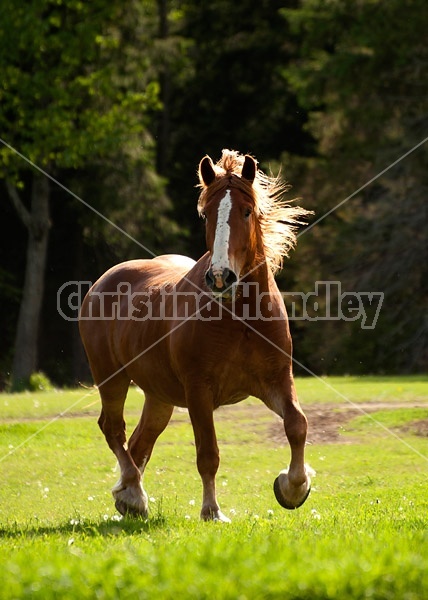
[(90, 528)]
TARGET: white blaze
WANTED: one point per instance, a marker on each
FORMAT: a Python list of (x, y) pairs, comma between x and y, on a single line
[(220, 257)]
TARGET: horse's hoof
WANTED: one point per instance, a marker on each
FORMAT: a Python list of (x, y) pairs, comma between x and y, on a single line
[(221, 518), (129, 511), (131, 500), (282, 501), (214, 515), (288, 496)]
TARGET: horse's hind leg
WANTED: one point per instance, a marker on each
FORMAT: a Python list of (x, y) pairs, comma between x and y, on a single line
[(154, 419), (128, 492)]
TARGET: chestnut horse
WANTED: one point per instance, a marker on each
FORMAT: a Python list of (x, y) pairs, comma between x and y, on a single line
[(201, 334)]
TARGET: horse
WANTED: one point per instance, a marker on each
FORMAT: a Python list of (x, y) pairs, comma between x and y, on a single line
[(201, 335)]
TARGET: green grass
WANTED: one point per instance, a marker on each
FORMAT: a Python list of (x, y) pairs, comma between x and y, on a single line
[(362, 389), (361, 534)]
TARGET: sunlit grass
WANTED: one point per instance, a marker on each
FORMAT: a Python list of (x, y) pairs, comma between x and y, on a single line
[(388, 389), (361, 534), (310, 390), (389, 418)]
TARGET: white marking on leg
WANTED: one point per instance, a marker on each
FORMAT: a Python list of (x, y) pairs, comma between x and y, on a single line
[(220, 256)]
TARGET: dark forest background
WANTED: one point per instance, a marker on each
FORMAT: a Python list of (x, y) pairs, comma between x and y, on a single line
[(118, 101)]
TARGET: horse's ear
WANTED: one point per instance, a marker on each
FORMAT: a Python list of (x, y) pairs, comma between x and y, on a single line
[(206, 171), (249, 168)]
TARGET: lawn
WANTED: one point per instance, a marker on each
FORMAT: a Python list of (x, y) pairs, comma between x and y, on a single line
[(361, 534)]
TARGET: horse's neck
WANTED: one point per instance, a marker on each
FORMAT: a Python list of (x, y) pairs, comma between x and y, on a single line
[(260, 276), (194, 280)]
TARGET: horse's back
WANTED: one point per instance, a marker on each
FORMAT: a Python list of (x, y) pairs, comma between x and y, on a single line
[(144, 273), (116, 333)]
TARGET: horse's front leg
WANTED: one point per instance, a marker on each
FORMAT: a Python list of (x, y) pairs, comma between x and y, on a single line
[(292, 486), (207, 453)]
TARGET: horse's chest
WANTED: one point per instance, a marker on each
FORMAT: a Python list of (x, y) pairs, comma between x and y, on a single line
[(245, 367), (229, 358)]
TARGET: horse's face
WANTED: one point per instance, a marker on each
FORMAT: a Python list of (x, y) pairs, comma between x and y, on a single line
[(229, 235), (230, 230)]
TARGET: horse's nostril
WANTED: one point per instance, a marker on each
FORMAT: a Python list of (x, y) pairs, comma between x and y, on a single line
[(229, 278), (221, 279), (209, 278)]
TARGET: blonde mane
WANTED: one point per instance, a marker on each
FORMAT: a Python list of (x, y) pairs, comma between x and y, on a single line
[(277, 217)]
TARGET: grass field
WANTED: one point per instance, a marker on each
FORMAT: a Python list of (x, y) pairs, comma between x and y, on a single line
[(361, 534)]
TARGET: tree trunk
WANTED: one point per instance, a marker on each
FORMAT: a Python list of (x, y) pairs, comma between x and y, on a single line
[(38, 224)]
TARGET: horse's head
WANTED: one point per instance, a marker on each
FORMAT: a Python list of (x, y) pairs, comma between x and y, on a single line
[(227, 205)]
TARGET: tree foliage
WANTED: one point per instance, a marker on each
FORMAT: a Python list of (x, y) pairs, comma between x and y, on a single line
[(69, 87), (75, 98), (119, 101), (362, 77)]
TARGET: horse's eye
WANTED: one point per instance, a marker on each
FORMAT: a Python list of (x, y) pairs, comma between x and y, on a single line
[(248, 212)]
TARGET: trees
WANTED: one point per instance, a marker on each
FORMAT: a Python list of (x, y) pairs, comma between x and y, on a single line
[(72, 95), (118, 101), (362, 76), (37, 223), (228, 90)]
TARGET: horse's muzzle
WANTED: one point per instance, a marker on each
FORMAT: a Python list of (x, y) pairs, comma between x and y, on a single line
[(220, 282)]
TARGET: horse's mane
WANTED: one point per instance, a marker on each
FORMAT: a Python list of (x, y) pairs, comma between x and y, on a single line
[(277, 217)]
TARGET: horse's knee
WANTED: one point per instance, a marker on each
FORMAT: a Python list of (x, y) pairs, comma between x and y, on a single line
[(115, 434)]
